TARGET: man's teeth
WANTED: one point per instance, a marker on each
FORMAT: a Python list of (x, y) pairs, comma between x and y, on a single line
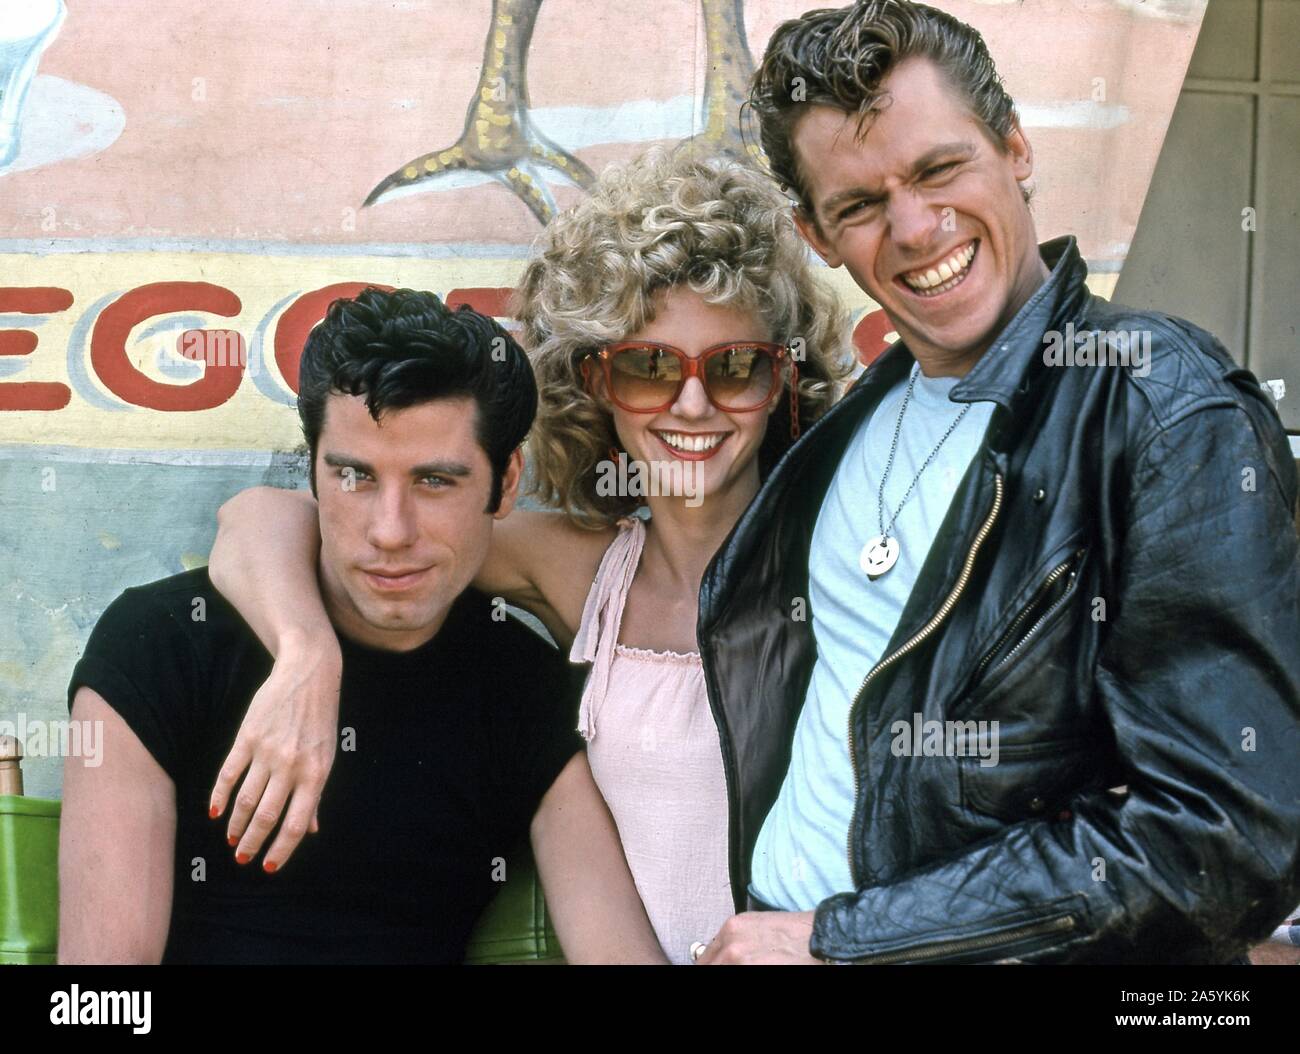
[(691, 443), (944, 273)]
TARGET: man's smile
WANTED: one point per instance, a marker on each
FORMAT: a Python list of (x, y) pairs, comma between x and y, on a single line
[(941, 276)]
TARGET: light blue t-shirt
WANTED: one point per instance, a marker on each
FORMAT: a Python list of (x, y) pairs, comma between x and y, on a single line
[(801, 856)]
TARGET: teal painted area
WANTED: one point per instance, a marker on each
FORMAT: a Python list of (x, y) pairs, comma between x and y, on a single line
[(75, 530)]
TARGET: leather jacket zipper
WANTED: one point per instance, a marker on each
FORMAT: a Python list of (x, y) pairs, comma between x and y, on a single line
[(909, 645), (941, 949), (1053, 577)]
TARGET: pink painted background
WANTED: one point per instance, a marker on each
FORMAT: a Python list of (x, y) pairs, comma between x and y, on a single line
[(305, 105)]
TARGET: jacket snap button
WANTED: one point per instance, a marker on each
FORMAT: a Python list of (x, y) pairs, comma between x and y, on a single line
[(1037, 804), (1040, 494)]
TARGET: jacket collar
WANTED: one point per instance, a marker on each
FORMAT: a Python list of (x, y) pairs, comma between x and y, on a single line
[(1001, 375)]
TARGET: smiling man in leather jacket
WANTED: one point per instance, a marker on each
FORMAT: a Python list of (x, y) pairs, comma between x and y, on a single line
[(1005, 656)]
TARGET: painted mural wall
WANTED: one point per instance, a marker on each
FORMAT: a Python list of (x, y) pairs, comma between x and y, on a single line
[(185, 186)]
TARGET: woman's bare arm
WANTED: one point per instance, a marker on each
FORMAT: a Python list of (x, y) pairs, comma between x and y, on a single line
[(540, 561), (270, 575), (288, 738)]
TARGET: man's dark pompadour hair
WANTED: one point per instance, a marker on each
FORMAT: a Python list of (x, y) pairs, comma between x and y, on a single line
[(838, 57), (403, 348)]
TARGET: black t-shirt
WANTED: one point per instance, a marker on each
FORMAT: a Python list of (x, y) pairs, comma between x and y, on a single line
[(445, 752)]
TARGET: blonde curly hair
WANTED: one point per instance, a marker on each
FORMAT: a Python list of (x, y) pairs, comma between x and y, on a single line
[(668, 218)]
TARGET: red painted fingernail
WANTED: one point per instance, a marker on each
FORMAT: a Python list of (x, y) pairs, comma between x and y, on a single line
[(242, 858), (213, 812), (269, 867), (232, 841)]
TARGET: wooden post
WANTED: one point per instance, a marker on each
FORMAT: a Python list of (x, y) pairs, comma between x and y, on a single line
[(11, 773)]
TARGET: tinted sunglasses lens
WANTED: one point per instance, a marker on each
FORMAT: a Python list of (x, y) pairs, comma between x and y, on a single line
[(644, 377), (741, 376)]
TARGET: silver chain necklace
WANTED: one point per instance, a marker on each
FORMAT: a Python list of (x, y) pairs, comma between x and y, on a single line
[(881, 552)]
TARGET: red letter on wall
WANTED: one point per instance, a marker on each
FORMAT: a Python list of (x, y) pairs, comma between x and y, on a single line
[(493, 301), (31, 395), (109, 359), (869, 336)]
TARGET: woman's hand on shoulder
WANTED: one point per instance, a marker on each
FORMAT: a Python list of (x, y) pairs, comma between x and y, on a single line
[(286, 745)]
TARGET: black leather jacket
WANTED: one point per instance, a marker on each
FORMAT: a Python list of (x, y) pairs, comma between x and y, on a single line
[(1117, 582)]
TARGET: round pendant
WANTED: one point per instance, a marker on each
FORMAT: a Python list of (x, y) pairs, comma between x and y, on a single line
[(878, 555)]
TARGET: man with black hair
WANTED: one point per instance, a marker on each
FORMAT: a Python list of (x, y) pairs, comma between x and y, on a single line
[(457, 721)]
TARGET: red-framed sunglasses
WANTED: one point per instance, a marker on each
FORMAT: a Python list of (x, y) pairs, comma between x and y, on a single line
[(645, 377)]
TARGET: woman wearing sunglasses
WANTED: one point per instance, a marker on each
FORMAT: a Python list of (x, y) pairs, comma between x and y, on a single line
[(680, 343)]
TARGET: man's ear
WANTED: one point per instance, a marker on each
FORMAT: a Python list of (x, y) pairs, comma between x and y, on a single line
[(813, 236), (1022, 153), (510, 483)]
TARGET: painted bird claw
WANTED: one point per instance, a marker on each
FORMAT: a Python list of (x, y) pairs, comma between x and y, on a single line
[(501, 143)]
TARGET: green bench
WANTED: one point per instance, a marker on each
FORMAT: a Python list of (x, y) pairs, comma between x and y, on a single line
[(29, 880)]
